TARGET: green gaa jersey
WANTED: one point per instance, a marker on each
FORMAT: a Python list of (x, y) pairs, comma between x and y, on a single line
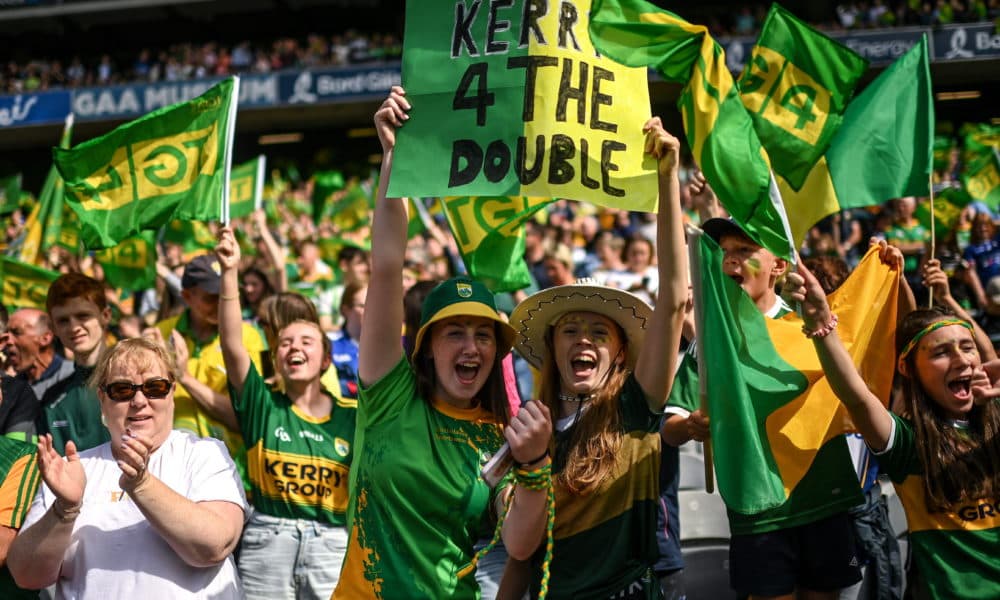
[(298, 465), (418, 502), (605, 541), (19, 479), (957, 553), (72, 411)]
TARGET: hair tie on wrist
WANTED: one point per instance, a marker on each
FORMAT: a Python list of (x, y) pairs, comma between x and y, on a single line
[(531, 462)]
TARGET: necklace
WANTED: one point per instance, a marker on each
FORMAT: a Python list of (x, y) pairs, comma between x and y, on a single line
[(576, 398)]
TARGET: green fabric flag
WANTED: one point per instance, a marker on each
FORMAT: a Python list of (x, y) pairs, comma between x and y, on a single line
[(24, 285), (131, 265), (514, 101), (982, 178), (246, 187), (194, 237), (771, 409), (943, 145), (796, 86), (169, 164), (877, 154), (352, 210), (43, 227), (719, 129), (10, 193), (325, 183), (490, 235)]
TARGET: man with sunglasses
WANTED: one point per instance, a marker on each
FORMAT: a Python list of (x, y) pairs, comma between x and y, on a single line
[(201, 401), (80, 316)]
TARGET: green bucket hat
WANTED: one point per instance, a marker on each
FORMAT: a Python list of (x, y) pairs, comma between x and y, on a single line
[(461, 296)]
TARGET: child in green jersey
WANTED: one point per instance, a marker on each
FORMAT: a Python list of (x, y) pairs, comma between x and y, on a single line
[(607, 362), (425, 429), (943, 455), (299, 449)]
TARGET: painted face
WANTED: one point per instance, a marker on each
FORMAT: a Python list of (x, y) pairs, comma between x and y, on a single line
[(204, 306), (152, 417), (749, 265), (586, 346), (945, 360), (80, 324), (464, 350), (300, 356)]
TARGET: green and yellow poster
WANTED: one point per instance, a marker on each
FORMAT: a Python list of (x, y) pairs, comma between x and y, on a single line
[(511, 99)]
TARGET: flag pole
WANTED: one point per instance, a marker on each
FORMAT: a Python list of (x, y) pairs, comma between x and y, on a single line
[(694, 261), (258, 193), (930, 187), (227, 166)]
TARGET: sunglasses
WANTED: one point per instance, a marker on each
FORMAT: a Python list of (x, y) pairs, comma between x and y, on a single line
[(124, 391)]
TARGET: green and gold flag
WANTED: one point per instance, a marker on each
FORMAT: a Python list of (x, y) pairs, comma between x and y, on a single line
[(719, 129), (325, 184), (796, 86), (131, 265), (877, 154), (982, 178), (771, 408), (43, 227), (170, 164), (194, 237), (24, 285), (10, 193), (948, 205), (511, 99), (490, 235), (246, 187)]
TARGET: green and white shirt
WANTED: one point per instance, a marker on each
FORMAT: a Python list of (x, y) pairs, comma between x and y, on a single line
[(418, 502), (956, 553), (298, 465)]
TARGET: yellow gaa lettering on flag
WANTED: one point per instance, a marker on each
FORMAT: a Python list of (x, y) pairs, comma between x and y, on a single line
[(474, 217), (785, 95), (129, 254), (152, 168)]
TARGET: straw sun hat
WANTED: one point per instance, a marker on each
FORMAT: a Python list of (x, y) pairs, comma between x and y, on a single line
[(535, 314)]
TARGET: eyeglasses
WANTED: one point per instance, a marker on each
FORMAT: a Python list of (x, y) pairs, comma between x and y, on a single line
[(124, 391)]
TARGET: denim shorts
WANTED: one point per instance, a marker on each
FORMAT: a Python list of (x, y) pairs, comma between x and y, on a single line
[(290, 558)]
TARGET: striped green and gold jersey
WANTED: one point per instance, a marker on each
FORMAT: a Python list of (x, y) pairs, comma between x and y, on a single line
[(298, 465), (18, 482), (955, 552)]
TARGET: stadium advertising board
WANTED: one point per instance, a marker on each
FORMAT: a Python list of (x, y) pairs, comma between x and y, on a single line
[(33, 109), (967, 42)]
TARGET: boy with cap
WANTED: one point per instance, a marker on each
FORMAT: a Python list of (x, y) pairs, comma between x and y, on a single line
[(806, 545), (201, 401)]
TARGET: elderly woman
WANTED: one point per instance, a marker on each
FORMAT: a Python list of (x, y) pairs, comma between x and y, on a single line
[(154, 513)]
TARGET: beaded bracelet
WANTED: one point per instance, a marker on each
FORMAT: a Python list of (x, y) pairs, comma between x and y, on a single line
[(823, 330)]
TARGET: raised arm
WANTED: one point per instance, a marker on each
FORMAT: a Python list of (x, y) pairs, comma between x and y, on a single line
[(871, 418), (275, 253), (936, 280), (230, 314), (380, 347), (657, 359)]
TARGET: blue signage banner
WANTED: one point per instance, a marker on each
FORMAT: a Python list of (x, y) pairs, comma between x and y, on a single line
[(881, 47), (131, 101), (34, 109), (316, 86), (967, 42)]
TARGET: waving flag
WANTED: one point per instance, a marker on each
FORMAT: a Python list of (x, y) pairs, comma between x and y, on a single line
[(246, 187), (42, 228), (771, 408), (877, 153), (24, 285), (170, 164), (131, 265), (718, 127), (796, 86)]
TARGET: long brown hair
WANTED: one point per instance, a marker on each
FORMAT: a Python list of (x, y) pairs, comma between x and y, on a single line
[(596, 437), (493, 395), (959, 466)]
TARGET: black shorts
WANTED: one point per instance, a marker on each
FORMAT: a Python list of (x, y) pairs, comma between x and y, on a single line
[(819, 556)]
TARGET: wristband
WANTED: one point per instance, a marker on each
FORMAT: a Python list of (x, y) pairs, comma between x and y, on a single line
[(64, 514), (225, 297), (531, 462)]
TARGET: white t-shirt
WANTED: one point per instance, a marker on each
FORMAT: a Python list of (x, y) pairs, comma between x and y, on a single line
[(114, 551)]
